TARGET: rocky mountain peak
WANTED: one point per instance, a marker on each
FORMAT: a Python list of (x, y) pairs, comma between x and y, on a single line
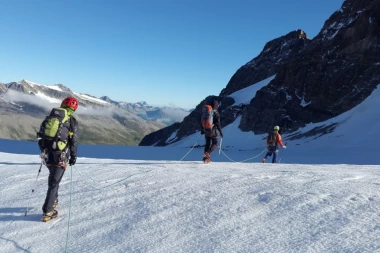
[(26, 82), (277, 46), (343, 24), (22, 86), (64, 88), (275, 53), (109, 100), (315, 80), (337, 70)]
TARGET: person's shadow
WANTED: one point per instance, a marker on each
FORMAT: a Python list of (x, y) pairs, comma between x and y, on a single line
[(18, 214), (16, 244)]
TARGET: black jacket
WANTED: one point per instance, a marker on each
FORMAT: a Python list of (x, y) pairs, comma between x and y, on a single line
[(216, 122), (73, 139), (69, 134)]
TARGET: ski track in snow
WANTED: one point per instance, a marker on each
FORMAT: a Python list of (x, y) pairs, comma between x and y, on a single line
[(169, 206)]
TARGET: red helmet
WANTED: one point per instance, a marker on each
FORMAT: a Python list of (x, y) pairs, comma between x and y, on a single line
[(70, 102)]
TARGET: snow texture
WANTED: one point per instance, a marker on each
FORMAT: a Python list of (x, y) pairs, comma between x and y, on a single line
[(49, 99), (110, 205), (304, 103), (54, 87), (89, 98), (323, 196), (244, 96), (172, 137)]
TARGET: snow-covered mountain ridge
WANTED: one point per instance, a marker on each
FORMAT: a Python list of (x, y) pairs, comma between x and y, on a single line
[(53, 93), (24, 104)]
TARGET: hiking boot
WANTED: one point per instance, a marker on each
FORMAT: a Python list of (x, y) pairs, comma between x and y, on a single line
[(55, 204), (49, 215), (206, 160), (207, 155), (264, 160)]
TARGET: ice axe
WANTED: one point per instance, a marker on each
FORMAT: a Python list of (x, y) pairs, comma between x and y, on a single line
[(282, 154)]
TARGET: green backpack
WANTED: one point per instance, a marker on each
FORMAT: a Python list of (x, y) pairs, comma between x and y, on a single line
[(51, 132)]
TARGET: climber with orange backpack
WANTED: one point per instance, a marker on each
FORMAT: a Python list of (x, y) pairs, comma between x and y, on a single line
[(210, 122), (273, 139)]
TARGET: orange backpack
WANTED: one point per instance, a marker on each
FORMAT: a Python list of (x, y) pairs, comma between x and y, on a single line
[(207, 117)]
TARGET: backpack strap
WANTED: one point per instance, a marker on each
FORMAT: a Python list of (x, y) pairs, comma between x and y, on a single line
[(55, 113), (41, 136)]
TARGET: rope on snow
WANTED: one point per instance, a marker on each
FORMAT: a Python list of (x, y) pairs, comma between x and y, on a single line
[(242, 160), (191, 148)]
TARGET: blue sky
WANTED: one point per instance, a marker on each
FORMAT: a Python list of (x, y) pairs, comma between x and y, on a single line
[(165, 52)]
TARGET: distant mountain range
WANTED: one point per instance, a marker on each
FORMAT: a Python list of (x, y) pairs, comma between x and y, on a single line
[(165, 115), (24, 104), (308, 80)]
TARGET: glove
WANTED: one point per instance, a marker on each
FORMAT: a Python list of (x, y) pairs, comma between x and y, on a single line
[(221, 135), (202, 132), (284, 147), (72, 161)]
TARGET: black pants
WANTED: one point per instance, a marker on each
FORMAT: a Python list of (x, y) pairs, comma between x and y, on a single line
[(55, 176), (272, 150), (213, 141)]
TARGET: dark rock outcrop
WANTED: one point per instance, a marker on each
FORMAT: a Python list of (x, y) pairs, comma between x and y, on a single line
[(315, 79), (158, 138), (275, 53), (335, 72)]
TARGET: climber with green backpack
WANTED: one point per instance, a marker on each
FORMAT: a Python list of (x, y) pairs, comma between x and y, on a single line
[(57, 140)]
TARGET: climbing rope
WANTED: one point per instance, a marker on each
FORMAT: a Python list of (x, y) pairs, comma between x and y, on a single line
[(191, 148), (88, 184), (242, 160), (68, 222), (254, 156)]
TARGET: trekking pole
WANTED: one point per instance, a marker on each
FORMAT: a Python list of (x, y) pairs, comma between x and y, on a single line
[(191, 148), (279, 161), (27, 208), (220, 146)]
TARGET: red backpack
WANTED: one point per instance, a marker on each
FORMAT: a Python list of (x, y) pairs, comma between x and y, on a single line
[(207, 117)]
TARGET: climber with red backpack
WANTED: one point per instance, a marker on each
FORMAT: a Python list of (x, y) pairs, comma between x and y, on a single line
[(57, 140), (273, 139), (210, 122)]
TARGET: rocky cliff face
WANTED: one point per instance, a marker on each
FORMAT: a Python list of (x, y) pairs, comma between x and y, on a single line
[(315, 79), (337, 70), (158, 138), (275, 53), (267, 63)]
